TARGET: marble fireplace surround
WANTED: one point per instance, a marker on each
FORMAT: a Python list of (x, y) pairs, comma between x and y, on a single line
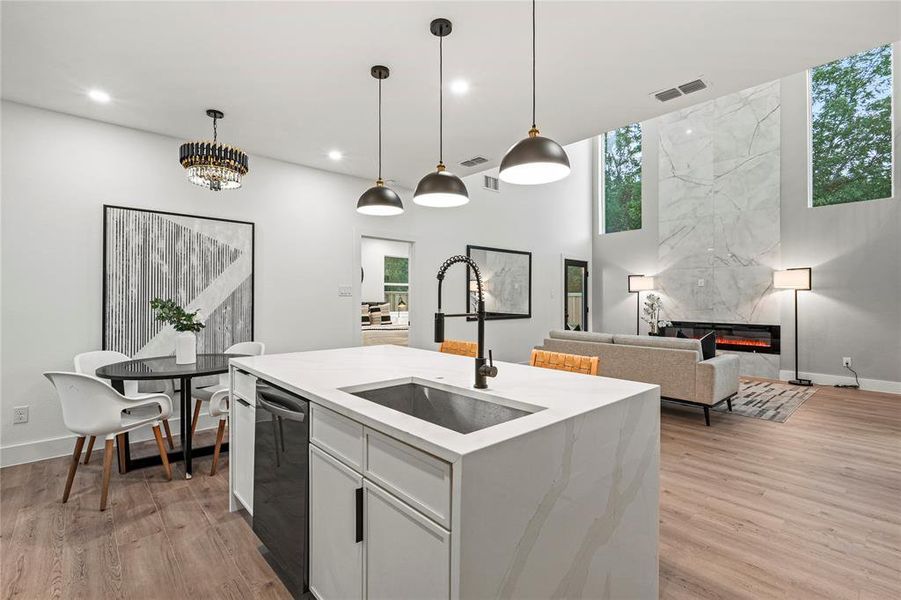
[(719, 213)]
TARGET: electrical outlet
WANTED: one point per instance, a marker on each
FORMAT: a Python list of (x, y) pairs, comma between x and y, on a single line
[(20, 414), (846, 361), (701, 283)]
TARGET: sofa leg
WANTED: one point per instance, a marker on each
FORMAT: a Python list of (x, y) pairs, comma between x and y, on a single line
[(729, 403), (707, 415)]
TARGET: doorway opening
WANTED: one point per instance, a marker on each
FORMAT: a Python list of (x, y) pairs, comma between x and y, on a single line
[(385, 291), (575, 294)]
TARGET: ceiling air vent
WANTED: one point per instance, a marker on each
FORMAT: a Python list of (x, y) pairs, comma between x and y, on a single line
[(491, 183), (666, 95), (475, 160), (692, 86)]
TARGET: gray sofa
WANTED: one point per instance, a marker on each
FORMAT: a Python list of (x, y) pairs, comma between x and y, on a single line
[(677, 365)]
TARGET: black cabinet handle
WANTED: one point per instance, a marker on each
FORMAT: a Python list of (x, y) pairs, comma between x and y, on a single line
[(359, 492)]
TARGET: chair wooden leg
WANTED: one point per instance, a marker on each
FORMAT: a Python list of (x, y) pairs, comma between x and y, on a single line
[(73, 466), (164, 456), (168, 434), (107, 465), (219, 435), (196, 418), (120, 445), (87, 453)]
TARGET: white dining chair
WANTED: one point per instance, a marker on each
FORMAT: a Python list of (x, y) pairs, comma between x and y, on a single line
[(218, 408), (93, 408), (205, 394), (87, 363)]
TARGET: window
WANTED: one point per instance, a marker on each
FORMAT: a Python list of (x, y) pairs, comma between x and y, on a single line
[(620, 187), (397, 283), (851, 128)]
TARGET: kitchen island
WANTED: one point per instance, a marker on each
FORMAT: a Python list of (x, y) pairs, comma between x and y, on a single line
[(558, 499)]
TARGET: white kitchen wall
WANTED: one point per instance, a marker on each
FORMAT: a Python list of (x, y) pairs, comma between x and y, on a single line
[(854, 250), (58, 171)]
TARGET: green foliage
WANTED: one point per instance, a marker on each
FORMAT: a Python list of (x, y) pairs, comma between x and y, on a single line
[(574, 280), (622, 179), (169, 312), (397, 269), (852, 128)]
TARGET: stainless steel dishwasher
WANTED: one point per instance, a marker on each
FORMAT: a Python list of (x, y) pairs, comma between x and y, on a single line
[(281, 484)]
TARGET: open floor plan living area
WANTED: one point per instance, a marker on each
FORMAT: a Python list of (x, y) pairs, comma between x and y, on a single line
[(450, 300)]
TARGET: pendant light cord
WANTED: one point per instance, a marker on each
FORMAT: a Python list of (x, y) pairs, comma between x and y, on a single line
[(441, 100), (533, 64), (380, 129)]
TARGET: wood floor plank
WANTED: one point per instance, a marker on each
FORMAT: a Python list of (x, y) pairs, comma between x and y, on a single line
[(749, 509)]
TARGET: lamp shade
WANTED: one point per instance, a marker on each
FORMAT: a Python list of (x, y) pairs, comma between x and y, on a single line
[(441, 189), (640, 283), (380, 201), (533, 161), (792, 279)]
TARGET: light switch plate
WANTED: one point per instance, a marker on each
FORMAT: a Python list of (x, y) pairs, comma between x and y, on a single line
[(701, 283), (345, 291)]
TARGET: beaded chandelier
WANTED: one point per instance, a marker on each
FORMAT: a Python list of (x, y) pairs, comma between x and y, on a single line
[(213, 165)]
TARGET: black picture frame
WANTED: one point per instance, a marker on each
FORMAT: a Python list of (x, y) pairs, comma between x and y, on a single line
[(104, 276), (493, 315)]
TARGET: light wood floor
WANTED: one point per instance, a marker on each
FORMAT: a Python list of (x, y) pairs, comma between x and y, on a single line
[(749, 509)]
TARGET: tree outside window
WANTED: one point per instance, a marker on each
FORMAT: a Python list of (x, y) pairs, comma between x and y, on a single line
[(622, 179), (397, 283), (851, 128)]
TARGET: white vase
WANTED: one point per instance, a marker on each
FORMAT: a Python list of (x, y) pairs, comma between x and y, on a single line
[(185, 348)]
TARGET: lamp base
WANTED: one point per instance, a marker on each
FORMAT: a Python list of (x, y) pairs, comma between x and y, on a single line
[(799, 381)]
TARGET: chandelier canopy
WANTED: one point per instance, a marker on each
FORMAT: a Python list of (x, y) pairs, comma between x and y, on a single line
[(213, 165)]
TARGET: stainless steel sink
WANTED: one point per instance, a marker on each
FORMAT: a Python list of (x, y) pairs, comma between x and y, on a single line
[(463, 413)]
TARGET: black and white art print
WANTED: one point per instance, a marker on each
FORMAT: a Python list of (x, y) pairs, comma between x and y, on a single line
[(200, 262), (507, 282)]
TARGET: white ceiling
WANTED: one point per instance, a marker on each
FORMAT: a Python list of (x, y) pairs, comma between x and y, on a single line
[(293, 78)]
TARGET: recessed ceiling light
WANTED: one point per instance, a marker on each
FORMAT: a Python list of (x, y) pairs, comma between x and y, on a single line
[(459, 86), (98, 96), (688, 131), (335, 155)]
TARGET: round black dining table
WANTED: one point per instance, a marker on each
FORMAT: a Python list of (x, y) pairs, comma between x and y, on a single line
[(161, 368)]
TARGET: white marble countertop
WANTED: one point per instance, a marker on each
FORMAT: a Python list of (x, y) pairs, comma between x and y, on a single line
[(554, 395)]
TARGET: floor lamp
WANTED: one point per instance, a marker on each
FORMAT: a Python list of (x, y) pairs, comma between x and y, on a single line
[(638, 284), (794, 279)]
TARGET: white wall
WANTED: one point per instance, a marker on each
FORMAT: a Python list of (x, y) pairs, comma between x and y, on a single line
[(372, 256), (854, 250), (58, 171)]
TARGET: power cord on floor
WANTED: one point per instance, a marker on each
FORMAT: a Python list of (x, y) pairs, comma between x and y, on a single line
[(850, 386)]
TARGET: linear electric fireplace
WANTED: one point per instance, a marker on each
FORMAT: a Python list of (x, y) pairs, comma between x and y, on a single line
[(743, 337)]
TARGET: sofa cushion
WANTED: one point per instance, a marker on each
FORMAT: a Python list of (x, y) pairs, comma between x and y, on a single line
[(660, 342), (581, 336)]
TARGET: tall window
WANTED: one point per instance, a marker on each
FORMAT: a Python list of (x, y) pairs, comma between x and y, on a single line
[(621, 188), (851, 128), (397, 282)]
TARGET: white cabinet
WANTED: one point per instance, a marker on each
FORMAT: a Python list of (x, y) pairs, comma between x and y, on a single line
[(379, 515), (407, 554), (241, 438), (336, 543)]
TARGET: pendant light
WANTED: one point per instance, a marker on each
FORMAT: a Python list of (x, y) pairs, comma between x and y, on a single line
[(441, 189), (379, 200), (535, 159), (213, 165)]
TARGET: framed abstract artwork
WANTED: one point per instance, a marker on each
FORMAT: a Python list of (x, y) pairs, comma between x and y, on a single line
[(507, 281), (202, 263)]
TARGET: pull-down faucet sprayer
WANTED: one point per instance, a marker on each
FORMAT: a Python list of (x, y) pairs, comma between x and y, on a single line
[(483, 370)]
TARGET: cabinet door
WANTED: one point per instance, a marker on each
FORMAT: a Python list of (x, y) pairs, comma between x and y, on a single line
[(240, 456), (407, 554), (336, 541)]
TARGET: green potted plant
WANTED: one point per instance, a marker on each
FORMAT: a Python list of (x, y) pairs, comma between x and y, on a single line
[(187, 324)]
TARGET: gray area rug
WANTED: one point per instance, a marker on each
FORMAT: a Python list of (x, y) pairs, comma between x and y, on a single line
[(768, 400)]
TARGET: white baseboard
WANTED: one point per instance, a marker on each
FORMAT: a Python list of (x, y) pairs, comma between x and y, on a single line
[(17, 454), (873, 385)]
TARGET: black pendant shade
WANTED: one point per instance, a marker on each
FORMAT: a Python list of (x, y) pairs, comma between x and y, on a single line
[(535, 159), (441, 189), (380, 201)]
